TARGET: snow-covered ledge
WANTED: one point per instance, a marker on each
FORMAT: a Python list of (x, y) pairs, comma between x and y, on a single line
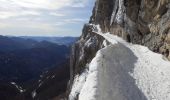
[(124, 71)]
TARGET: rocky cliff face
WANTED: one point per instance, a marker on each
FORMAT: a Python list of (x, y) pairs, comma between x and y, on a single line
[(144, 22), (84, 50)]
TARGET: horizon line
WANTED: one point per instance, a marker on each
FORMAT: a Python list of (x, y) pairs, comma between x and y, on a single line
[(36, 36)]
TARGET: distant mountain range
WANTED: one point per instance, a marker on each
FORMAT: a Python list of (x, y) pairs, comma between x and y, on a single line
[(58, 40), (15, 43), (34, 64), (22, 60)]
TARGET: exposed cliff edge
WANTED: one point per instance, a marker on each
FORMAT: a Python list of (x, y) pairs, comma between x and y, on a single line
[(144, 22)]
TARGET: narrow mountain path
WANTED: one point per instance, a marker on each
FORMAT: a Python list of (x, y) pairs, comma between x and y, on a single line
[(124, 71)]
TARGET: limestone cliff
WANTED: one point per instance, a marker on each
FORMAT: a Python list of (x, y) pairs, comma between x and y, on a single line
[(145, 22)]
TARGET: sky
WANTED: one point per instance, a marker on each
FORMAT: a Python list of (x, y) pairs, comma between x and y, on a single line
[(44, 17)]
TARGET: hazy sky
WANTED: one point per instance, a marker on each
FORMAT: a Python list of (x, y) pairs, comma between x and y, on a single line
[(44, 17)]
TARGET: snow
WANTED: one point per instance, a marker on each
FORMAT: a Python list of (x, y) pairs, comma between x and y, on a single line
[(124, 71), (34, 93), (114, 11), (120, 15), (79, 81), (105, 43), (89, 42), (117, 13), (53, 76), (13, 83), (90, 88), (18, 87), (40, 84)]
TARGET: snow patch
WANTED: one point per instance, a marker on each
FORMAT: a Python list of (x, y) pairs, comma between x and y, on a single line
[(34, 93), (78, 83), (90, 88), (40, 84), (39, 80), (114, 11), (118, 12), (105, 43), (53, 76), (18, 87)]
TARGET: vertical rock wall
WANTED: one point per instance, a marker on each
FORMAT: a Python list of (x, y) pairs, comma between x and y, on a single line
[(145, 22)]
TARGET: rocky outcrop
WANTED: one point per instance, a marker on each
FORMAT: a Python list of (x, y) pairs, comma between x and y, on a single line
[(84, 50), (144, 22)]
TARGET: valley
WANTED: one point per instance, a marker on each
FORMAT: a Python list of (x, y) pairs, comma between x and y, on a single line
[(29, 65)]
